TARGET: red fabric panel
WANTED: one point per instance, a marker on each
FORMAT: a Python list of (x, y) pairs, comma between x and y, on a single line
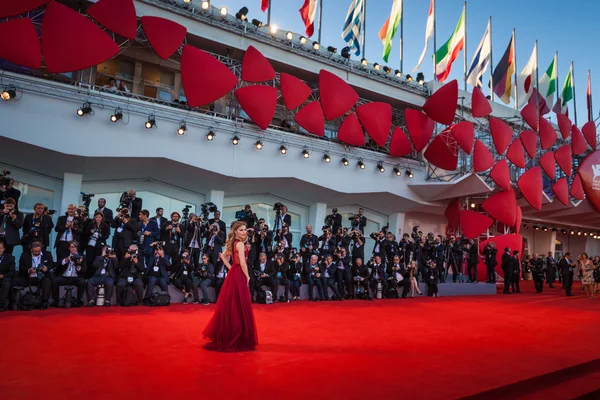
[(337, 97), (482, 158), (400, 145), (548, 164), (204, 78), (71, 42), (311, 118), (512, 241), (564, 159), (530, 185), (294, 91), (464, 134), (255, 67), (564, 124), (351, 132), (502, 206), (20, 44), (11, 8), (578, 143), (259, 102), (561, 190), (452, 212), (589, 173), (529, 141), (376, 118), (589, 132), (515, 153), (530, 115), (441, 106), (518, 220), (501, 175), (577, 188), (439, 154), (480, 106), (473, 224), (164, 35), (420, 128), (501, 134), (116, 15), (548, 135)]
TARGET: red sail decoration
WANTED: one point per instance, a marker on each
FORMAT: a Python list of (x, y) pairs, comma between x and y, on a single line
[(439, 154), (337, 97), (512, 241), (473, 224), (530, 185), (20, 44), (400, 145), (441, 106), (578, 144), (564, 159), (204, 78), (311, 118), (480, 106), (501, 174), (482, 158), (515, 153), (502, 206), (561, 190), (531, 116), (564, 125), (116, 15), (255, 67), (501, 134), (351, 132), (577, 188), (548, 164), (589, 132), (376, 118), (11, 8), (165, 36), (259, 102), (518, 220), (589, 173), (294, 91), (464, 134), (529, 141), (420, 128), (452, 212), (548, 135)]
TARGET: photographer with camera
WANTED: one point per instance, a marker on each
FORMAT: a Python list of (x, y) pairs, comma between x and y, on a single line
[(342, 239), (95, 234), (171, 233), (131, 275), (217, 220), (204, 277), (69, 228), (264, 274), (439, 255), (381, 243), (35, 268), (391, 249), (377, 276), (432, 278), (327, 243), (294, 274), (37, 228), (395, 272), (7, 189), (263, 240), (473, 261), (358, 221), (490, 252), (334, 221), (358, 245), (215, 238), (125, 233), (156, 271), (7, 272), (284, 235), (406, 250), (195, 232), (343, 273), (11, 220), (107, 212), (184, 279), (105, 267), (329, 269), (147, 233), (70, 271), (282, 218), (282, 269), (360, 278), (455, 257), (312, 274), (309, 244), (132, 203)]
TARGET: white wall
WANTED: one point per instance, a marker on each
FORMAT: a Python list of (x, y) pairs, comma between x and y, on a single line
[(427, 223)]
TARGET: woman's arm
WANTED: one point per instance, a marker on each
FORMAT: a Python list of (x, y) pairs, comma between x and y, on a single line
[(240, 247), (225, 258)]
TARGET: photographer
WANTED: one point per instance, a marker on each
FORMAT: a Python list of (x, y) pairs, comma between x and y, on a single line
[(131, 274), (184, 279), (358, 221), (205, 275), (327, 243), (473, 261), (264, 274), (381, 244), (312, 274), (217, 220), (358, 248), (132, 203), (215, 238), (280, 250), (69, 228), (491, 262), (342, 239), (294, 274), (125, 233), (282, 218), (537, 271), (432, 279), (360, 275), (37, 228), (70, 271), (220, 275), (406, 250), (11, 220), (147, 233), (334, 220), (7, 271), (34, 270), (105, 267), (377, 276), (107, 212), (171, 234), (284, 235), (515, 281), (263, 240), (281, 276), (193, 241), (343, 274), (439, 256), (455, 257), (156, 272), (398, 276), (7, 189), (507, 268), (329, 269), (95, 234), (391, 249), (160, 220), (309, 243)]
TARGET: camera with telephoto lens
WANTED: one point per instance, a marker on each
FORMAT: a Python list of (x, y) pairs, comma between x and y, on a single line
[(109, 252), (49, 212), (277, 207), (4, 179), (86, 199), (207, 208), (157, 246), (186, 212), (124, 202), (76, 258), (328, 222), (132, 253)]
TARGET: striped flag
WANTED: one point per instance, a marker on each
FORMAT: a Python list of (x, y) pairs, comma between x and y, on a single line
[(428, 33), (308, 13), (547, 87), (353, 26), (389, 29), (567, 92), (526, 79), (448, 53), (264, 5), (504, 72), (588, 95), (481, 59)]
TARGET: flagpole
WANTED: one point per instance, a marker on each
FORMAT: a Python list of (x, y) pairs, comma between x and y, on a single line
[(434, 38), (557, 83), (320, 19), (269, 14), (491, 63), (402, 37), (574, 97), (537, 81), (514, 44), (465, 49), (590, 108), (364, 38)]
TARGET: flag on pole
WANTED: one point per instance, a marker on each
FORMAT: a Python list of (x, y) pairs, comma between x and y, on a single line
[(264, 5), (390, 27), (428, 34), (504, 72), (481, 59), (567, 91), (547, 87), (448, 53), (353, 26), (526, 79), (588, 94), (308, 13)]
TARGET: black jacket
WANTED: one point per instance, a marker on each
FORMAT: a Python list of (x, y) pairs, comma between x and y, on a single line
[(61, 227), (125, 237), (337, 223), (473, 255), (60, 269), (26, 262), (104, 232), (218, 243), (362, 271), (204, 271), (12, 236), (269, 268), (7, 265), (38, 230), (110, 266), (490, 257), (222, 226), (127, 268), (136, 208), (108, 215), (564, 266), (506, 262), (163, 267)]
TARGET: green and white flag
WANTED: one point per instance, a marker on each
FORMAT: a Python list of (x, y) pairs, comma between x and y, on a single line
[(567, 91), (389, 28), (448, 53), (547, 86)]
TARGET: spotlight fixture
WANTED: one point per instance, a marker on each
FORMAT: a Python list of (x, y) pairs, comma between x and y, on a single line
[(420, 78), (409, 173), (397, 171), (118, 115), (331, 49), (525, 226), (151, 122), (85, 109), (187, 1), (283, 149), (346, 53), (536, 228), (223, 11), (376, 67), (380, 168), (398, 73), (316, 45), (9, 93), (182, 128), (473, 205), (585, 234), (563, 231), (345, 161), (258, 144), (205, 4), (554, 229), (361, 164), (302, 40), (257, 23), (545, 229), (241, 15), (305, 153), (327, 158), (289, 36), (210, 135), (387, 70), (364, 62), (409, 78), (579, 233), (273, 29), (235, 140), (572, 232)]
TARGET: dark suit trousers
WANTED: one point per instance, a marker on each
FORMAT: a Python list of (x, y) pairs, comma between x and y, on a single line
[(364, 285), (138, 286), (538, 280), (311, 284), (62, 251), (473, 272), (567, 278), (184, 282), (270, 282), (45, 284), (204, 284), (507, 281), (550, 275), (94, 282), (373, 283), (515, 282), (491, 270), (330, 283), (152, 281), (59, 281), (286, 284), (343, 275), (4, 291)]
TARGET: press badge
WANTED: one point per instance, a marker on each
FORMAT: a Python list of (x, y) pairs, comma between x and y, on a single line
[(130, 279), (185, 272), (103, 271), (155, 269)]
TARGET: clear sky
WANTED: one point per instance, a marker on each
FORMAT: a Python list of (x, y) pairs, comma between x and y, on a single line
[(567, 27)]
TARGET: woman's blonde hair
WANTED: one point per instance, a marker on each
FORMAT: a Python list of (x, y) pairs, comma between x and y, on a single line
[(229, 246)]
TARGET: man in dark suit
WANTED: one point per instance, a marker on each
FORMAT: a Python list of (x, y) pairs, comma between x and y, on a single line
[(37, 228), (131, 273), (159, 218), (124, 235), (217, 219), (215, 238), (285, 217), (537, 271), (336, 220), (490, 253), (378, 276), (34, 270), (566, 269), (70, 271), (281, 276), (360, 275), (69, 228), (134, 204), (148, 232), (312, 273), (309, 243), (156, 274), (172, 232), (507, 268), (106, 266), (329, 270), (204, 276), (9, 192), (473, 261), (264, 272), (7, 271), (550, 270), (515, 279), (11, 220), (107, 212), (381, 245)]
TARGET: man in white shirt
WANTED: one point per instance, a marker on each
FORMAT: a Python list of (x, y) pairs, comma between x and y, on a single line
[(70, 272)]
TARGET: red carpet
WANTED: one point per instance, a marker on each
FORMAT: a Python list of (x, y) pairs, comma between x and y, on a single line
[(425, 348)]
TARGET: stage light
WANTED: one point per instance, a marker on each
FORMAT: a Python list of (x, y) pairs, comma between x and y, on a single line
[(289, 36), (409, 78), (302, 40), (182, 128), (8, 94), (545, 229), (473, 205), (345, 161), (235, 140), (327, 158), (585, 233), (205, 4), (579, 233), (241, 15), (380, 168), (257, 23), (364, 62), (376, 67), (210, 135), (361, 164), (151, 122), (409, 173), (316, 45), (398, 73), (397, 171), (346, 52), (223, 11), (273, 29), (420, 78), (563, 231), (118, 115), (258, 145), (305, 153), (572, 232), (554, 229), (536, 228), (187, 1), (85, 109), (331, 49), (283, 149), (387, 70)]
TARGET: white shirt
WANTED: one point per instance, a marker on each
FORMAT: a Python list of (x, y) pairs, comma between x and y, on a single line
[(35, 263), (67, 235), (71, 270)]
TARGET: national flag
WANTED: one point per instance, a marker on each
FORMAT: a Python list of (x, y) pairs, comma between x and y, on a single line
[(353, 26), (541, 102), (428, 33), (481, 59), (448, 53), (502, 76), (588, 95), (567, 91), (389, 29), (264, 5), (308, 13), (526, 79), (547, 87)]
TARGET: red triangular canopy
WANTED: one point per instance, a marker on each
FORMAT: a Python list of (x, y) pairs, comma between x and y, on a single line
[(561, 190), (464, 134), (577, 188), (502, 206), (400, 145), (589, 132), (482, 158), (530, 185), (441, 106), (473, 224), (529, 141), (548, 164), (480, 106), (255, 67), (564, 159), (311, 118), (578, 144), (548, 135), (439, 154), (501, 134), (501, 174), (515, 153), (420, 128)]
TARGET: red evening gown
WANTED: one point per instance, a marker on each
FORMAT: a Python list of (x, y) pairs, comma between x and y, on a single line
[(232, 327)]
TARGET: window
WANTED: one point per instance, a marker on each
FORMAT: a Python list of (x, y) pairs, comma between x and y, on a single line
[(121, 70), (158, 84), (558, 249), (371, 227), (31, 195)]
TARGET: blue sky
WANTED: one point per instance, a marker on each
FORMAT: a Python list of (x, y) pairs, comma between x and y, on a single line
[(569, 30)]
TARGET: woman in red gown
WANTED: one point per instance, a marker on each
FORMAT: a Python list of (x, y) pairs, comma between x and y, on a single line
[(232, 327)]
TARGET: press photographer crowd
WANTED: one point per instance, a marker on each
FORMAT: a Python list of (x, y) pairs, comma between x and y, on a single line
[(182, 249)]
